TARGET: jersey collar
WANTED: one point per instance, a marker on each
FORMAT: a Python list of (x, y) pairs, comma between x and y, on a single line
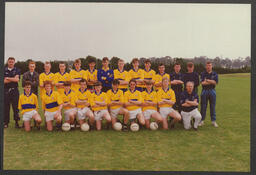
[(133, 91), (167, 89), (113, 91), (28, 94), (162, 74), (49, 94), (148, 70), (48, 73), (92, 70), (81, 90), (68, 92), (105, 69), (119, 70), (78, 70), (98, 94), (150, 91), (134, 69), (63, 73)]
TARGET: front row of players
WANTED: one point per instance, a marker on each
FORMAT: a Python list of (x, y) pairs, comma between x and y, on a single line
[(134, 105)]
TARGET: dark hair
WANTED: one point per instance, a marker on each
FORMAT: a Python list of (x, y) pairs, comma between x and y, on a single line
[(47, 82), (133, 80), (135, 59), (147, 61), (98, 83), (176, 63), (190, 64), (208, 62), (77, 61), (67, 83), (161, 64), (27, 83), (83, 80), (115, 82), (11, 58), (149, 82), (62, 62), (92, 60), (105, 59)]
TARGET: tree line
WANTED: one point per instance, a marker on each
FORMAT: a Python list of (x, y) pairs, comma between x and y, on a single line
[(220, 65)]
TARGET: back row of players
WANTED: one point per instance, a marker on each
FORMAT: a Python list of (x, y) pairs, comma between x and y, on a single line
[(79, 90)]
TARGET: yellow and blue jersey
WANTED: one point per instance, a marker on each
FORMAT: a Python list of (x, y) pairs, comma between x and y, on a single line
[(124, 75), (167, 95), (136, 75), (134, 96), (69, 97), (101, 97), (45, 77), (118, 96), (27, 103), (149, 75), (85, 95), (149, 96), (74, 74), (159, 78), (60, 78), (51, 102), (91, 75)]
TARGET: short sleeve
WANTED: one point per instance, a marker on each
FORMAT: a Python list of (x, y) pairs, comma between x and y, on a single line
[(125, 97), (19, 104), (36, 101), (182, 98)]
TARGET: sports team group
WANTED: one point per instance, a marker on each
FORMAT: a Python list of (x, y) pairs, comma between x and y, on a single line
[(90, 96)]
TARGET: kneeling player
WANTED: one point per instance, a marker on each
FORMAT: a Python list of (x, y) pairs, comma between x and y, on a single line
[(69, 105), (99, 103), (52, 105), (166, 99), (189, 104), (83, 103), (28, 104), (133, 101), (116, 101), (150, 104)]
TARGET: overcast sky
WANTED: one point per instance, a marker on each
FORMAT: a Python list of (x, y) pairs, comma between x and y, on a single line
[(61, 31)]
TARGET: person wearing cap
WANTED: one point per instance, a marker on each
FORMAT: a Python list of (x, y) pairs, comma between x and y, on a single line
[(209, 80), (105, 75), (31, 76), (137, 74), (121, 75), (191, 76), (11, 92), (149, 74)]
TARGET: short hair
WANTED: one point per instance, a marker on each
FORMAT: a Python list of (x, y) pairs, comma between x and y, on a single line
[(190, 82), (62, 62), (176, 63), (147, 61), (190, 64), (134, 60), (27, 83), (47, 62), (11, 58), (98, 83), (120, 60), (77, 61), (92, 60), (165, 78), (208, 62), (105, 59), (67, 83), (31, 62), (115, 82), (83, 80), (149, 82), (133, 80), (161, 64), (47, 82)]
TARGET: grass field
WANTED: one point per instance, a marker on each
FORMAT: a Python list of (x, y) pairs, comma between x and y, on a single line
[(226, 148)]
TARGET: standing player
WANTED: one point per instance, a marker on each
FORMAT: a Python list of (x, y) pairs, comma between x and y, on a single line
[(116, 102), (83, 103), (91, 74), (31, 76), (189, 103), (11, 92), (191, 76), (149, 106), (159, 77), (60, 77), (47, 75), (177, 85), (209, 80), (52, 105), (105, 75), (99, 103), (76, 75), (69, 103), (137, 74), (122, 75), (133, 101), (28, 104), (166, 99), (149, 74)]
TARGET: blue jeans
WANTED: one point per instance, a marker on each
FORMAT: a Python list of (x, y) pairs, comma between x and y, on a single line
[(208, 94)]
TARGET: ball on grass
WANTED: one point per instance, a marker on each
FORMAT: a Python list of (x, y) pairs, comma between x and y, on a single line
[(153, 126), (65, 127), (134, 127), (85, 127)]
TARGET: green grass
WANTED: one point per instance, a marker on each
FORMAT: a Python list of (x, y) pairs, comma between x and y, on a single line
[(226, 148)]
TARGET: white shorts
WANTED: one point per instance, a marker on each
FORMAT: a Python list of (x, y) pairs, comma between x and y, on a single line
[(27, 116), (67, 113), (133, 114), (187, 116), (165, 111), (99, 114), (81, 113), (114, 112), (147, 114), (49, 116)]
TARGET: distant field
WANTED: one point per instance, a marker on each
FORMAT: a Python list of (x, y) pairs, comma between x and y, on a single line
[(226, 148)]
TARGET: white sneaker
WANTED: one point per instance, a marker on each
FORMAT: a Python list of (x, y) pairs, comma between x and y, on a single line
[(201, 123), (215, 124)]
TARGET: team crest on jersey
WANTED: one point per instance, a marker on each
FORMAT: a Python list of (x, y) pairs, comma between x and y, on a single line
[(31, 100), (102, 98)]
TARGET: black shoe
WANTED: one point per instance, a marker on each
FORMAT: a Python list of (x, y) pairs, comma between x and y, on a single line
[(38, 128), (23, 126), (125, 128), (17, 125), (195, 129)]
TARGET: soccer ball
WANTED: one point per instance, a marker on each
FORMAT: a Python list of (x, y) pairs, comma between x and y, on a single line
[(134, 127), (65, 127), (153, 126), (85, 127), (118, 126)]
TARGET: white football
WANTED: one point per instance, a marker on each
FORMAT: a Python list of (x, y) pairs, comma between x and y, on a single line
[(153, 126), (134, 127), (85, 127), (118, 126), (65, 127)]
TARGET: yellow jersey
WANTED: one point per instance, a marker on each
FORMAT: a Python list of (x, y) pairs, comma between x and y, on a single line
[(91, 75), (76, 75), (85, 95), (118, 96), (102, 97), (27, 103), (124, 75), (134, 96), (159, 78), (45, 77), (149, 75), (69, 97), (60, 78), (51, 102), (152, 97), (136, 75), (168, 95)]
